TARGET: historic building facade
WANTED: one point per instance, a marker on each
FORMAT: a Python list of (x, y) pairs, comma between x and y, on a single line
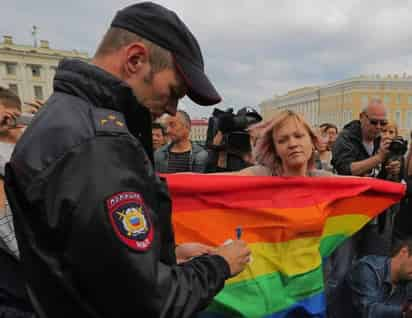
[(342, 101), (29, 70)]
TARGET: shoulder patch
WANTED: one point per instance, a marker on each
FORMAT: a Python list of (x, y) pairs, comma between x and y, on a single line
[(108, 121), (130, 220)]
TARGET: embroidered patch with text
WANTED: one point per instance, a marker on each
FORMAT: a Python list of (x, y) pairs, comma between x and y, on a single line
[(130, 220)]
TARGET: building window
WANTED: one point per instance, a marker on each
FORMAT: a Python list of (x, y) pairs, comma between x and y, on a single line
[(386, 99), (11, 69), (35, 70), (364, 100), (398, 118), (347, 116), (38, 92), (398, 99), (14, 89), (410, 99), (409, 119)]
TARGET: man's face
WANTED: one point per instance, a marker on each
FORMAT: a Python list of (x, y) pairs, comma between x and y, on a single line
[(405, 268), (158, 138), (372, 121), (331, 132), (176, 128), (160, 91)]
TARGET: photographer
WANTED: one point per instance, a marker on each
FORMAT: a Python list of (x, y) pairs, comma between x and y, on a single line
[(363, 149), (393, 166), (360, 150), (228, 140)]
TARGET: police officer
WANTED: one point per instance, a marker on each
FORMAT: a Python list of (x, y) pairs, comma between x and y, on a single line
[(92, 218)]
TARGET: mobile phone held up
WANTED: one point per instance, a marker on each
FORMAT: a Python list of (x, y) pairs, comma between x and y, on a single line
[(24, 119)]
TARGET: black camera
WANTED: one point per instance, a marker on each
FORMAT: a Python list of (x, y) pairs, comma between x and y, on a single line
[(398, 147), (233, 127), (229, 122), (236, 140)]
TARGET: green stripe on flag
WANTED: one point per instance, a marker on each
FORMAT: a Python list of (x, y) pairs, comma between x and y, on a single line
[(268, 294)]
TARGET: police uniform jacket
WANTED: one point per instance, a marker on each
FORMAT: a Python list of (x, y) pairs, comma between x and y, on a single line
[(92, 218)]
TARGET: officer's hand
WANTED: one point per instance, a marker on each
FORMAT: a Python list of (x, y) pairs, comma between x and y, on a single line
[(384, 147), (186, 251), (236, 254), (393, 167)]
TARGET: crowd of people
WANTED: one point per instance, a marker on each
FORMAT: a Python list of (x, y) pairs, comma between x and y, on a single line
[(85, 220), (379, 254)]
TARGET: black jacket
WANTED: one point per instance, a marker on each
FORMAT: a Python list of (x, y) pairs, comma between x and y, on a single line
[(197, 159), (349, 148), (92, 218)]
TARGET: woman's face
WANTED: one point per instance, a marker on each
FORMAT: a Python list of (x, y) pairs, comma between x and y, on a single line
[(389, 132), (293, 144)]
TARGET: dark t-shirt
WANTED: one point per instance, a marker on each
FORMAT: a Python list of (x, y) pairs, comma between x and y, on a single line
[(179, 162)]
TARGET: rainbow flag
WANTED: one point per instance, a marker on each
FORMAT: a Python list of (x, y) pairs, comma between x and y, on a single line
[(290, 224)]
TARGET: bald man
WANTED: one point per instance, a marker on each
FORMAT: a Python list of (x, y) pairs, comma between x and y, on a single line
[(359, 150)]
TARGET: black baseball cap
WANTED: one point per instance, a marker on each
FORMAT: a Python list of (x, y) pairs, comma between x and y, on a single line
[(164, 28)]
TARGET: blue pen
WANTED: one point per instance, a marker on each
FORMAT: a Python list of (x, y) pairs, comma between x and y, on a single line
[(238, 232)]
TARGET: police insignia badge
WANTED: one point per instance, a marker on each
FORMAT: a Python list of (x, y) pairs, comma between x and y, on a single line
[(130, 220)]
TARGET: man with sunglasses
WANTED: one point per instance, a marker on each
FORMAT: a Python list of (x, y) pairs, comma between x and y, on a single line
[(360, 151)]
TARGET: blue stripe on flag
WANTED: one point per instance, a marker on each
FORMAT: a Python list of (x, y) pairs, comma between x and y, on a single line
[(312, 307)]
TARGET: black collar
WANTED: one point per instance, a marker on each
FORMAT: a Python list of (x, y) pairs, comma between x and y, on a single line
[(104, 90)]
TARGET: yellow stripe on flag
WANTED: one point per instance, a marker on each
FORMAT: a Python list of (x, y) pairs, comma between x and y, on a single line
[(344, 224), (289, 258)]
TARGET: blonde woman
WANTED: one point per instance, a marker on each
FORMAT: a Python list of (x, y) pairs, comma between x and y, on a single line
[(286, 147)]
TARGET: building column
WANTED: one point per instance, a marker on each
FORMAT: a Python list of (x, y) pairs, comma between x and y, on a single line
[(20, 79)]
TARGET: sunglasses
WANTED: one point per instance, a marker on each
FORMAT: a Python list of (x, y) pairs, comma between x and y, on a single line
[(375, 122)]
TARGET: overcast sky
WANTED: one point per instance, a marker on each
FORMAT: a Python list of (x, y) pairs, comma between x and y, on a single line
[(253, 49)]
